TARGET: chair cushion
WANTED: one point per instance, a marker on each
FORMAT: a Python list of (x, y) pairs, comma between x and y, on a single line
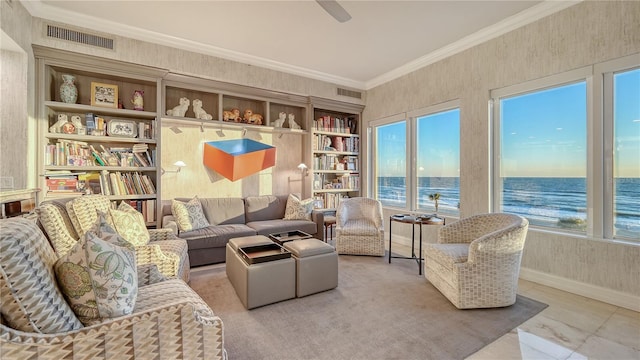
[(83, 211), (359, 227), (448, 254), (30, 300), (298, 209), (130, 224), (189, 215), (53, 223), (99, 279)]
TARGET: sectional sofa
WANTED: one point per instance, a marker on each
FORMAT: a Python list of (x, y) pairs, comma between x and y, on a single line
[(235, 217)]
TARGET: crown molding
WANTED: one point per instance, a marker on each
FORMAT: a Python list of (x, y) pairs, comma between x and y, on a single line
[(511, 23), (41, 10)]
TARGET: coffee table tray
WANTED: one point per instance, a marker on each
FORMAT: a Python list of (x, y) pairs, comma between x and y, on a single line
[(285, 236), (263, 253)]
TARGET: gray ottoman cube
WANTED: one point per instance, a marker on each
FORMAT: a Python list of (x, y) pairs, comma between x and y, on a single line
[(316, 266), (263, 283)]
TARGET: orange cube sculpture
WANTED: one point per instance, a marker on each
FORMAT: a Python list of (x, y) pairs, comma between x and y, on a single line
[(236, 159)]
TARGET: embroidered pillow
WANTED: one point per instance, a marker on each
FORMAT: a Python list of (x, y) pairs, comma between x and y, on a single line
[(298, 209), (57, 230), (130, 224), (189, 216), (99, 279)]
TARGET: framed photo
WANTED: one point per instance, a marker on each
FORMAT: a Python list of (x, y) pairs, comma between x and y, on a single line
[(104, 95), (351, 166), (122, 128)]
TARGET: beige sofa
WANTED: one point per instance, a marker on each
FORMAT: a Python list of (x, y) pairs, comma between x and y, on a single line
[(169, 320), (237, 217)]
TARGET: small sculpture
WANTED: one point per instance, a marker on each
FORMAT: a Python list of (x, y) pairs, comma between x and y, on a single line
[(233, 115), (137, 100), (292, 122), (75, 120), (281, 118), (57, 127), (200, 113), (251, 118), (179, 110)]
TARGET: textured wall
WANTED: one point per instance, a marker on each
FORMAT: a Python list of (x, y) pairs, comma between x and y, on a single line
[(584, 34), (196, 179), (17, 98)]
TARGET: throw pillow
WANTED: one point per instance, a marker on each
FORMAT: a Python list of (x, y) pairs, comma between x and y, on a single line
[(104, 230), (189, 215), (57, 231), (130, 224), (98, 279), (83, 211), (298, 209)]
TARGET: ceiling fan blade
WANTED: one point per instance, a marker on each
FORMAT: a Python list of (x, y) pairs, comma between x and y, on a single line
[(334, 9)]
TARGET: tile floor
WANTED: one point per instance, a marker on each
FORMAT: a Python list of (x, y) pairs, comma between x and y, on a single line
[(572, 327)]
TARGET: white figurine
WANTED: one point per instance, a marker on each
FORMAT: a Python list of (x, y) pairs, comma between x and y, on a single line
[(57, 127), (75, 120), (181, 109), (292, 122), (200, 113), (281, 118)]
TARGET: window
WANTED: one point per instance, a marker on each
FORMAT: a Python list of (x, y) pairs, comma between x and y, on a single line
[(541, 169), (416, 155), (438, 162), (390, 164), (626, 154)]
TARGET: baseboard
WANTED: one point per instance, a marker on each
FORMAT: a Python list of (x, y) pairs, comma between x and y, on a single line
[(618, 298)]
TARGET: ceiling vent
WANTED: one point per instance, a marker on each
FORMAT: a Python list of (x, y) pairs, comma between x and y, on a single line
[(79, 37), (350, 93)]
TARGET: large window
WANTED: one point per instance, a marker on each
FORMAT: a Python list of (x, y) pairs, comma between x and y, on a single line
[(416, 160), (626, 154), (438, 162), (542, 166), (390, 168)]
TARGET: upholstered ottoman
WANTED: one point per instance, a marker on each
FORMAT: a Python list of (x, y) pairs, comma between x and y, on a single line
[(263, 283), (316, 266)]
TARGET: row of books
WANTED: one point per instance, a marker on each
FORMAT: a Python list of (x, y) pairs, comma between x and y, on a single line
[(146, 207), (347, 125), (335, 143), (329, 200), (79, 153), (351, 182), (104, 182)]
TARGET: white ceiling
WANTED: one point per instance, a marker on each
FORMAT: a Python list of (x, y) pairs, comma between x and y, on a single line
[(383, 40)]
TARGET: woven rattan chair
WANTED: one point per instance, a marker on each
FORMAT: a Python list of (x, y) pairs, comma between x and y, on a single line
[(360, 227), (169, 320), (476, 261)]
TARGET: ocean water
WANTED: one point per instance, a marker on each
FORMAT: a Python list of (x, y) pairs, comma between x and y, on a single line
[(550, 202)]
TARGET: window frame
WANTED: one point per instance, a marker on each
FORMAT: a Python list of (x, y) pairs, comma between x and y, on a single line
[(604, 105), (410, 118), (583, 74)]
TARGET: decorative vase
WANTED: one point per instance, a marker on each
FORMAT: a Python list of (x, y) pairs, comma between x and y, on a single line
[(68, 90)]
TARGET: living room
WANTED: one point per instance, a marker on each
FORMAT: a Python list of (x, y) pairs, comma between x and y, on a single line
[(587, 34)]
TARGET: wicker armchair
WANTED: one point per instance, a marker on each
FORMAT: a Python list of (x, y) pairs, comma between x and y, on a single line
[(360, 227), (169, 319), (476, 261), (61, 227)]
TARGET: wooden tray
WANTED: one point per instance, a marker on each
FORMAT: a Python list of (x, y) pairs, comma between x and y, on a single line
[(262, 253), (283, 237)]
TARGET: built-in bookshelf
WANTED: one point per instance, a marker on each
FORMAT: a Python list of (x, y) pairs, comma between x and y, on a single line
[(335, 155), (98, 143)]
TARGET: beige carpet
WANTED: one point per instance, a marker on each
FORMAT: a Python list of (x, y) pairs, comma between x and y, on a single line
[(378, 311)]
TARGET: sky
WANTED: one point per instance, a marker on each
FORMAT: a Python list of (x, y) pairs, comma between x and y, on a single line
[(544, 134)]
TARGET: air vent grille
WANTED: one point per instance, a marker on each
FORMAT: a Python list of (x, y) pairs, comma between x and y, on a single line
[(350, 93), (79, 37)]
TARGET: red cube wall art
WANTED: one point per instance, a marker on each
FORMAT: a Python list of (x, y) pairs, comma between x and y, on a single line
[(236, 159)]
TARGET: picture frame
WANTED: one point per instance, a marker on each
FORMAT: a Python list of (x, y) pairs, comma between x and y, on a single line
[(104, 95), (122, 128)]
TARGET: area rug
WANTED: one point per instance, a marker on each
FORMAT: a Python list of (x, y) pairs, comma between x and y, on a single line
[(378, 311)]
